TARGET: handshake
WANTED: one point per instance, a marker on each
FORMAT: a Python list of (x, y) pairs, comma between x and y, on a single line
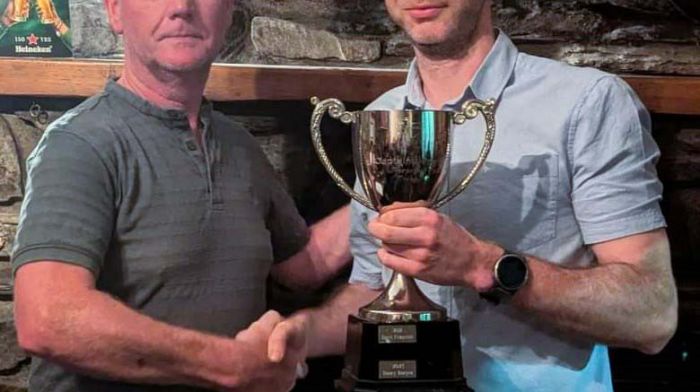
[(276, 349)]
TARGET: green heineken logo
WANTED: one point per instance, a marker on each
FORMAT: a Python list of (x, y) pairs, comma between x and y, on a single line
[(35, 28)]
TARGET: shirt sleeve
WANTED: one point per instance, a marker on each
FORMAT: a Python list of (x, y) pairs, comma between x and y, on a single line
[(615, 187), (67, 213), (366, 268), (288, 230)]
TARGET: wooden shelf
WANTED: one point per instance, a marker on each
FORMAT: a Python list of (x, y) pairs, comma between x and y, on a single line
[(229, 82)]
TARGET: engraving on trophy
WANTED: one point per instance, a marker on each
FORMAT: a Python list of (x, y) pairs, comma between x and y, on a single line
[(390, 334), (397, 370), (402, 155), (414, 168)]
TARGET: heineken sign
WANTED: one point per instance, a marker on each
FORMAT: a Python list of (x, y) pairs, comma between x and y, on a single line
[(35, 28)]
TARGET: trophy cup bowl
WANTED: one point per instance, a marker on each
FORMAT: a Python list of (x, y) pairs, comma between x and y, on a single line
[(402, 341)]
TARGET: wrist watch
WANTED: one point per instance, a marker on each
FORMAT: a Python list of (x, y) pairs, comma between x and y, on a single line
[(510, 273)]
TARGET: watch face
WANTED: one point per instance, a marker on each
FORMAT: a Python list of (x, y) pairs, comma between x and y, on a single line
[(512, 272)]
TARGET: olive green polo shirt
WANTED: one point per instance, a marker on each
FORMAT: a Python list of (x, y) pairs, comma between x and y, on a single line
[(183, 233)]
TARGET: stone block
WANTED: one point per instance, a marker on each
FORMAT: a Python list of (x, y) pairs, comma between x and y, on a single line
[(683, 217), (680, 159), (281, 38), (689, 140), (92, 35), (399, 45), (5, 280), (11, 356), (10, 165), (357, 17), (7, 235), (17, 139), (238, 36), (16, 382)]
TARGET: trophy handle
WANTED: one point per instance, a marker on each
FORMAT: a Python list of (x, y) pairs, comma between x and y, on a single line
[(336, 110), (470, 110)]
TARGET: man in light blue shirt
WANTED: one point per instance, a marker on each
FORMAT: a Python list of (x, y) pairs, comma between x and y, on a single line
[(570, 187)]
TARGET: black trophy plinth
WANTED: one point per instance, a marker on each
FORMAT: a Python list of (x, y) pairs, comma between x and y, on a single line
[(406, 357)]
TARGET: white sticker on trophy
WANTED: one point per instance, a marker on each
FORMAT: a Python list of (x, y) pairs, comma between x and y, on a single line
[(390, 334), (396, 370)]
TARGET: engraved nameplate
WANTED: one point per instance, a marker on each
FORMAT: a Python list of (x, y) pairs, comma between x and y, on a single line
[(393, 370), (389, 334)]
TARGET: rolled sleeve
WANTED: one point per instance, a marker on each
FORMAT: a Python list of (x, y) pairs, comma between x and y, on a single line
[(615, 187), (68, 210)]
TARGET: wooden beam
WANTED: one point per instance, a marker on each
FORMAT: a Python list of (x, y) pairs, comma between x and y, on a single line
[(668, 94), (229, 82), (55, 78), (235, 82)]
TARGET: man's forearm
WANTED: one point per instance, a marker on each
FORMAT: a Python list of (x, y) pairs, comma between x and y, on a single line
[(617, 303), (328, 323), (95, 334)]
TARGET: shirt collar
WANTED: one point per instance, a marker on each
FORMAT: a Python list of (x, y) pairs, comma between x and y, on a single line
[(172, 116), (489, 81)]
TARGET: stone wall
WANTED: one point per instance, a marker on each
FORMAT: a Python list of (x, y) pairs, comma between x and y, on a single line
[(17, 138), (623, 36), (649, 36)]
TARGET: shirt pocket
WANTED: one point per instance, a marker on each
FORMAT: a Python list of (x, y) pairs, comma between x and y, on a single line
[(512, 205)]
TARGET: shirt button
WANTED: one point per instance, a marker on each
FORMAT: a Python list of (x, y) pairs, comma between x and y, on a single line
[(192, 146)]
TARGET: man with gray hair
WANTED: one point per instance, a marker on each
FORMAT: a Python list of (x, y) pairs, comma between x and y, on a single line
[(151, 223)]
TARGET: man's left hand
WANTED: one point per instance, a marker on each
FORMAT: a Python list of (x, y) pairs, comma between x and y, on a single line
[(422, 243)]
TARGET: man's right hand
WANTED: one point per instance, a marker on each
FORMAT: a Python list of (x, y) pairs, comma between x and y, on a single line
[(289, 341), (272, 371)]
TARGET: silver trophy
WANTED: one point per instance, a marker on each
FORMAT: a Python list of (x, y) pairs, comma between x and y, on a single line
[(402, 156)]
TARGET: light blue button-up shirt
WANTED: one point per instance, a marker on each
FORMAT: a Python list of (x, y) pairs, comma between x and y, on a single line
[(573, 164)]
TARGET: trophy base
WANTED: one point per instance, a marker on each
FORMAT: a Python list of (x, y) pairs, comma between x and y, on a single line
[(402, 357), (349, 383)]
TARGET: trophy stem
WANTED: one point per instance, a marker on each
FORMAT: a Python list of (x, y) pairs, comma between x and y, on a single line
[(402, 301)]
